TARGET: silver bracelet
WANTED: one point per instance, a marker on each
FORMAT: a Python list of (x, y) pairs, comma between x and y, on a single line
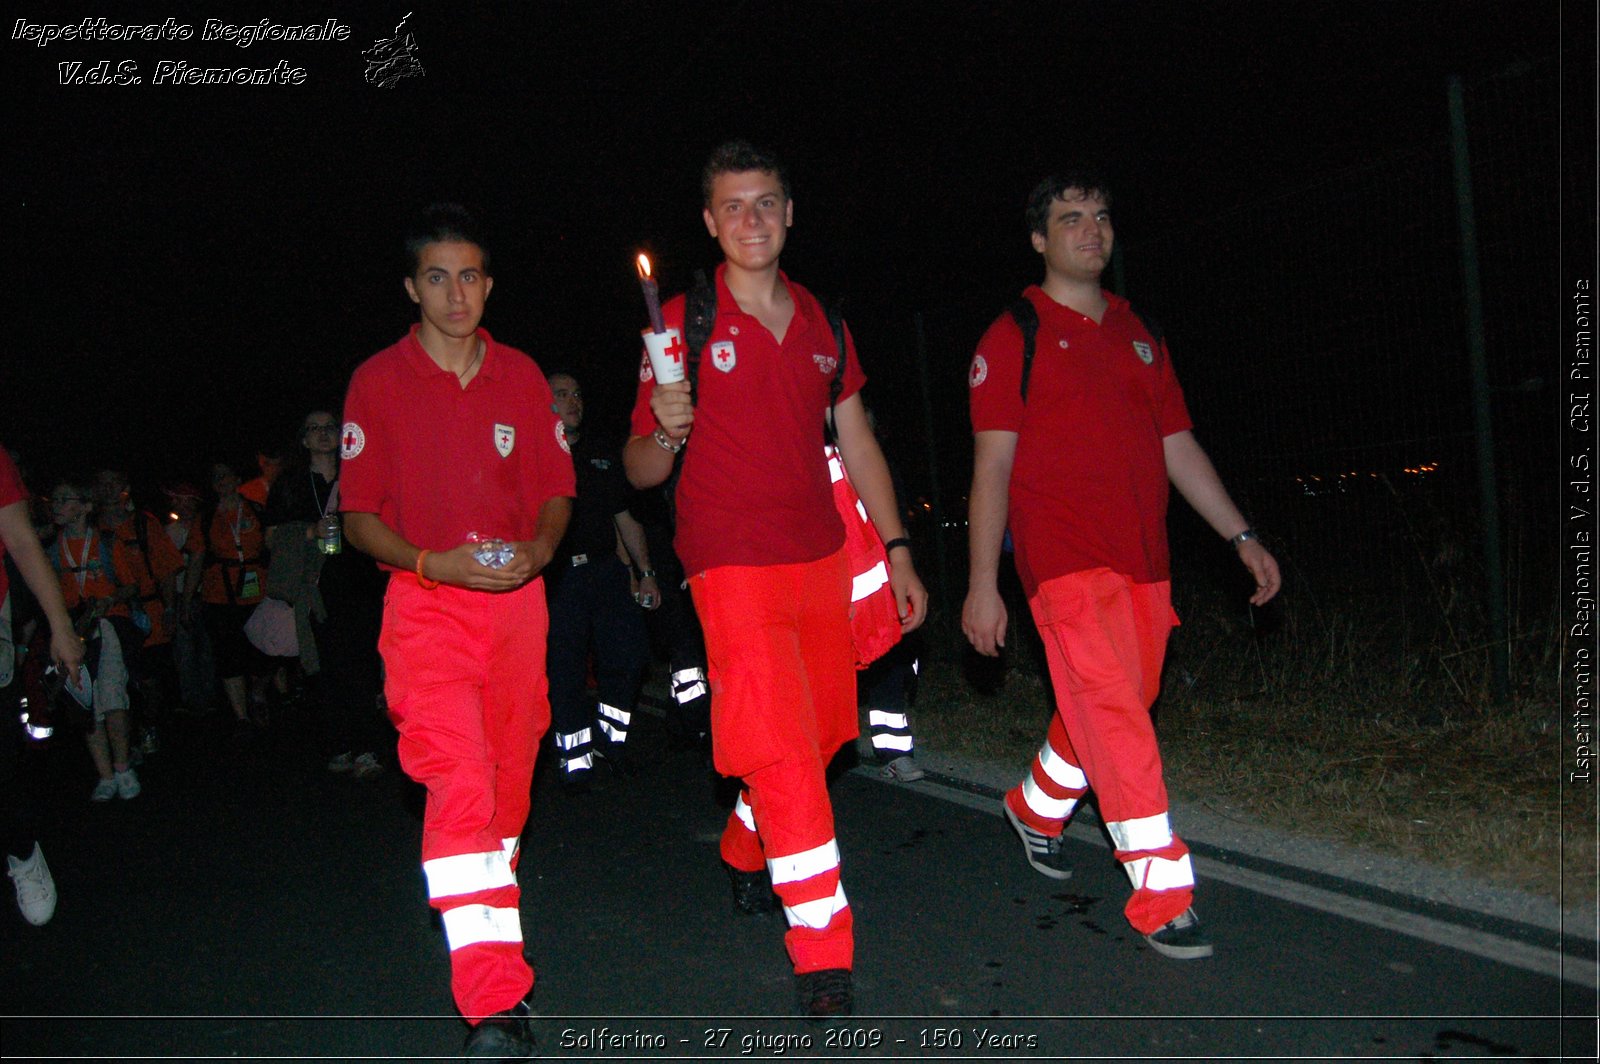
[(667, 443), (1244, 537)]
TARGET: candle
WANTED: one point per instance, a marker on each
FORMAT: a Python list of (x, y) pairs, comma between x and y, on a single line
[(652, 294)]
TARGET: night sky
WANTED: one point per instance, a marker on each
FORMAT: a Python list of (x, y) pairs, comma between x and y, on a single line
[(198, 265)]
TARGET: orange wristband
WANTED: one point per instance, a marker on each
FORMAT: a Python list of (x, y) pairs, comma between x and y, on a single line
[(421, 579)]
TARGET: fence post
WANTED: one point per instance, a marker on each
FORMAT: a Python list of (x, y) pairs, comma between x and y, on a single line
[(939, 538), (1477, 360)]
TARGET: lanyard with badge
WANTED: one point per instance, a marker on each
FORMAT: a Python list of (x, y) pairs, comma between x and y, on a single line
[(250, 579), (78, 569), (330, 536)]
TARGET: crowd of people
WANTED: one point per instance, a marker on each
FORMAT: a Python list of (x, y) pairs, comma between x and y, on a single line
[(457, 553)]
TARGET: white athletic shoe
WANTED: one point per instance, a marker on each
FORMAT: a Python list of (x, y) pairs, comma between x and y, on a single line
[(36, 888)]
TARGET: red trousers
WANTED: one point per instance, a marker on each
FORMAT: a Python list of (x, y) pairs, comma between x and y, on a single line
[(1105, 637), (783, 689), (466, 687)]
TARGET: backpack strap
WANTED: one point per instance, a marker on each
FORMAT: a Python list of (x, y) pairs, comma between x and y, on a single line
[(1026, 315), (830, 434), (699, 318), (1151, 325)]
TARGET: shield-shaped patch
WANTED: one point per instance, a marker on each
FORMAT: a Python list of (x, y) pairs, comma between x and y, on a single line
[(723, 356), (505, 438), (1146, 354)]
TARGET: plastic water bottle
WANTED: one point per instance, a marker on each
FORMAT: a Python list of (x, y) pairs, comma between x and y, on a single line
[(330, 535), (492, 552)]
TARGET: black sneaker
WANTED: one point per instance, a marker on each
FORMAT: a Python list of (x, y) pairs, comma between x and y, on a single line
[(752, 891), (826, 994), (504, 1036), (1182, 939), (1044, 852)]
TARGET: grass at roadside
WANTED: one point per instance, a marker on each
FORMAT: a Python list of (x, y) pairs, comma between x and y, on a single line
[(1328, 729)]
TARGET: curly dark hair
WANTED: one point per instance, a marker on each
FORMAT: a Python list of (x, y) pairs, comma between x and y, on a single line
[(1083, 180), (737, 157)]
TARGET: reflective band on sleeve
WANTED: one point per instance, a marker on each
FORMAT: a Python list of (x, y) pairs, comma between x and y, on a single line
[(816, 914), (468, 925), (572, 764), (861, 510), (513, 847), (621, 716), (794, 867), (689, 675), (1061, 770), (882, 718), (468, 873), (614, 733), (689, 693), (868, 582), (741, 809), (1043, 804), (1145, 833), (891, 741), (835, 467), (568, 740), (1158, 873)]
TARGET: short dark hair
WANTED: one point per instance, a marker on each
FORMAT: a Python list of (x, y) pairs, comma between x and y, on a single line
[(1084, 180), (738, 157), (441, 223)]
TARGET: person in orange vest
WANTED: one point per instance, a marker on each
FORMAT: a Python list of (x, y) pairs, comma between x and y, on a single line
[(157, 562), (270, 462), (101, 590), (227, 568), (763, 544)]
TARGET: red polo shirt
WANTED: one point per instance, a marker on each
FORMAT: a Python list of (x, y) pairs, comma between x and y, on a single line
[(1089, 485), (755, 488), (11, 490), (436, 461)]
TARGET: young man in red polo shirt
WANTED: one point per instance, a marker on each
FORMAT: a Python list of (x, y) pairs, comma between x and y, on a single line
[(1078, 470), (449, 434), (763, 546)]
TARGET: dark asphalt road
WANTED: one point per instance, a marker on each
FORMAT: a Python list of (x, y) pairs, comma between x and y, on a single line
[(250, 904)]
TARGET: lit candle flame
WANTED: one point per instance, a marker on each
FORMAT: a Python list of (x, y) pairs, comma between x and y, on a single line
[(652, 295)]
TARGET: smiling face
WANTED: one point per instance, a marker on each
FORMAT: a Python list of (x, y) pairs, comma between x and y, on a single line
[(1076, 243), (750, 217), (451, 287)]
